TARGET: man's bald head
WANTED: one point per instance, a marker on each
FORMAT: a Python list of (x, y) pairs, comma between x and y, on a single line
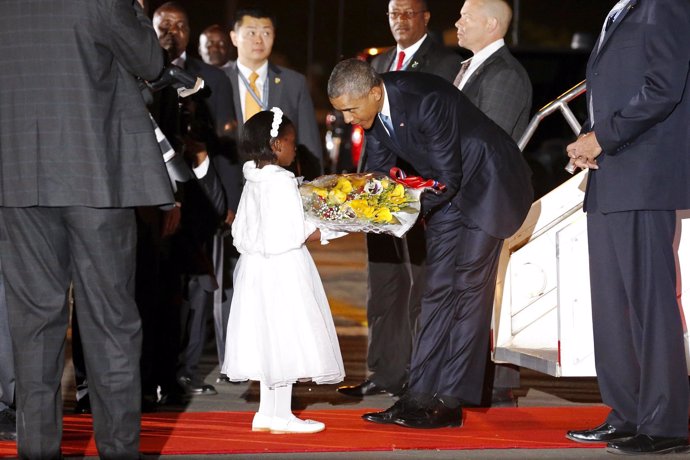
[(483, 22)]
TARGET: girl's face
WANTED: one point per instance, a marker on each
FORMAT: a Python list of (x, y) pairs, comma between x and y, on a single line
[(284, 147)]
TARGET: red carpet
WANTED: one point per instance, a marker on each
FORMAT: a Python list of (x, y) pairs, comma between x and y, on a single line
[(230, 432)]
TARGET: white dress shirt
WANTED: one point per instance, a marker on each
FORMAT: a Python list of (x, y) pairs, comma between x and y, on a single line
[(260, 82), (479, 58)]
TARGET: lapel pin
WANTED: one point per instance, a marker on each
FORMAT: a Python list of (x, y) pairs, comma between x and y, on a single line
[(276, 80), (414, 64), (402, 124)]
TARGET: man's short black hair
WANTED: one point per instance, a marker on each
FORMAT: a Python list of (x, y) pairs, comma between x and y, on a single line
[(252, 12)]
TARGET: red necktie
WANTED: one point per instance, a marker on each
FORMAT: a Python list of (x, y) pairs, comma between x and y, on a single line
[(401, 58)]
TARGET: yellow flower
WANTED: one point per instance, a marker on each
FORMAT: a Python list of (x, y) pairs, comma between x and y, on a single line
[(383, 215), (398, 191), (337, 196), (343, 185), (322, 192), (362, 208)]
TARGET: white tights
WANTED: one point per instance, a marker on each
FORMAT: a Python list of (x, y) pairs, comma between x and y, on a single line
[(275, 402)]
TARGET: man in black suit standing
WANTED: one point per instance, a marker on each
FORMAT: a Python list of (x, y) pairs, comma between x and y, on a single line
[(636, 144), (198, 221), (427, 122), (494, 81), (395, 268), (77, 153)]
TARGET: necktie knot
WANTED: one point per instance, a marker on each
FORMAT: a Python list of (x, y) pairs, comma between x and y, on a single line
[(401, 59), (252, 78)]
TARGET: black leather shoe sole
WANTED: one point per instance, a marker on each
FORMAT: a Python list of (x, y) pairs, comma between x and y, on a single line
[(366, 388), (645, 445), (427, 424)]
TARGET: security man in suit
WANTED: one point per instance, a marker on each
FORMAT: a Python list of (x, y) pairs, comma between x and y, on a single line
[(426, 121), (257, 85), (395, 268), (494, 81), (636, 144), (77, 154)]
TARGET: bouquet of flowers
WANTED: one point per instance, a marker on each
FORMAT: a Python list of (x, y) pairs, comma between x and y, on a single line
[(371, 203)]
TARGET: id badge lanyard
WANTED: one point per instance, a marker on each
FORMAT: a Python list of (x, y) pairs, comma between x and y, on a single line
[(264, 93)]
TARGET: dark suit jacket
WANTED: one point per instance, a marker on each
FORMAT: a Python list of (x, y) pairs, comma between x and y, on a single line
[(223, 146), (445, 137), (431, 57), (288, 90), (500, 87), (639, 84), (74, 129)]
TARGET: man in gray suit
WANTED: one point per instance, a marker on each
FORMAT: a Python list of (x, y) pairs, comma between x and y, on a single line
[(77, 153), (259, 85), (396, 265), (492, 78), (494, 81)]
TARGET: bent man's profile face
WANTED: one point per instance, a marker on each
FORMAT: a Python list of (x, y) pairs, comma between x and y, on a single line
[(360, 110)]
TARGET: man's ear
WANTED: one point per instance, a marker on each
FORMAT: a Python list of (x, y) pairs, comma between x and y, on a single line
[(233, 38), (376, 93)]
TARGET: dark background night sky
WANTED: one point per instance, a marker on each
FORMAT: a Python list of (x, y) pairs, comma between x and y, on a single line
[(543, 23)]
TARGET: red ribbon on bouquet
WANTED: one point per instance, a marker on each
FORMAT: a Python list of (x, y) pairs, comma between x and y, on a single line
[(417, 182)]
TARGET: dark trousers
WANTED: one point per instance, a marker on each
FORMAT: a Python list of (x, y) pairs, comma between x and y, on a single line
[(449, 356), (43, 250), (6, 359), (395, 281), (638, 331)]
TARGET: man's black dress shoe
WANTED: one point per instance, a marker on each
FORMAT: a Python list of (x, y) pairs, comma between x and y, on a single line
[(392, 413), (602, 433), (436, 415), (645, 444), (366, 388), (83, 405), (8, 425)]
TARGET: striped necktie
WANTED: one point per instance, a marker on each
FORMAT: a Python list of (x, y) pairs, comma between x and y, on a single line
[(463, 70)]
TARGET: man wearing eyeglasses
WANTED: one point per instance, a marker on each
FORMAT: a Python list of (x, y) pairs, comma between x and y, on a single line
[(396, 266)]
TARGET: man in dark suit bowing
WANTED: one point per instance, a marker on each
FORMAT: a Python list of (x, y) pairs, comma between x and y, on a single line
[(426, 121), (636, 143), (77, 154), (494, 81), (395, 266)]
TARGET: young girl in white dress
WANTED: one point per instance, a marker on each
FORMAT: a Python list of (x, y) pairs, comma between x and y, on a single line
[(280, 329)]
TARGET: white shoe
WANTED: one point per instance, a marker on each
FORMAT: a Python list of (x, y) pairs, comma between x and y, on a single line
[(295, 425), (261, 422)]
